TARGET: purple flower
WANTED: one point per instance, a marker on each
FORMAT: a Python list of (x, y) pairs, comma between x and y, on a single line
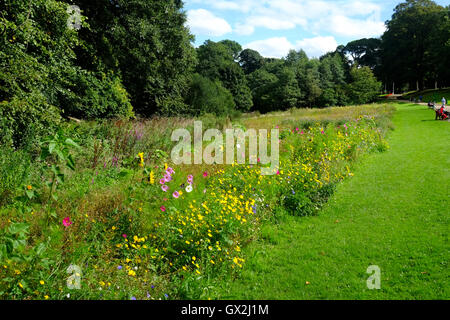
[(133, 298), (119, 267), (164, 188), (168, 178)]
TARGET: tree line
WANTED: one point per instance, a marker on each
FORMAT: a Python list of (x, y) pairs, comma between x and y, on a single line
[(136, 57)]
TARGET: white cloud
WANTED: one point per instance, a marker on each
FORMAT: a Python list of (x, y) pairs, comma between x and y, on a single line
[(348, 27), (244, 29), (270, 23), (272, 47), (203, 22), (350, 18), (279, 47), (318, 46)]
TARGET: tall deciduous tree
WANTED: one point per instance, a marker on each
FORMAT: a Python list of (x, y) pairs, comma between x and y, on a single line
[(216, 61), (146, 41), (250, 60), (407, 43)]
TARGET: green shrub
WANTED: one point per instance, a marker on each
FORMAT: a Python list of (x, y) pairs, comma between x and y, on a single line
[(206, 96)]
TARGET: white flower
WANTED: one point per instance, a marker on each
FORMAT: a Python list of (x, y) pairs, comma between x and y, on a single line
[(238, 146), (189, 188)]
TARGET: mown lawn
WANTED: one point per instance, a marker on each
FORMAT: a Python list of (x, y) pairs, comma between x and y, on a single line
[(394, 213)]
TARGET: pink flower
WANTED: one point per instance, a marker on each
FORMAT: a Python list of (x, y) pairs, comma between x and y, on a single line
[(175, 194), (170, 170), (163, 208), (205, 174), (167, 178), (297, 129), (278, 172), (302, 132), (190, 178), (67, 222), (124, 235), (322, 132), (164, 188), (162, 181)]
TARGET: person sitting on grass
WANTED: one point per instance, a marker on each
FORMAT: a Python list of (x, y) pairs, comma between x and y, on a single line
[(440, 114)]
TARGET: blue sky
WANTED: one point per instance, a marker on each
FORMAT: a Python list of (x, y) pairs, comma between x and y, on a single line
[(272, 27)]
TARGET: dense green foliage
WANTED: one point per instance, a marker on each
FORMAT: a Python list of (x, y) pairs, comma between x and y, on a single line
[(40, 79), (208, 96), (413, 53)]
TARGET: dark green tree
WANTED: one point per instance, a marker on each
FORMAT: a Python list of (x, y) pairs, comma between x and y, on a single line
[(406, 44), (216, 62), (364, 87), (148, 43), (207, 96), (250, 60)]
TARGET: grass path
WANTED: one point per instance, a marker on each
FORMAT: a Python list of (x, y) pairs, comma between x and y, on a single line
[(393, 213)]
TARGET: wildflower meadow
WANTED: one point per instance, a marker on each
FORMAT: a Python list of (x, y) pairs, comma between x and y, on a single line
[(100, 212)]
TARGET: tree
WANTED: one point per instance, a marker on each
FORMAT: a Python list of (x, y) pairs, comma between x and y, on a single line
[(365, 52), (364, 87), (207, 96), (39, 77), (250, 60), (145, 41), (332, 81), (234, 47), (216, 62), (262, 84), (406, 43)]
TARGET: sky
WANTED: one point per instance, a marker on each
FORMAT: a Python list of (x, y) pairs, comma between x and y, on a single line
[(273, 27)]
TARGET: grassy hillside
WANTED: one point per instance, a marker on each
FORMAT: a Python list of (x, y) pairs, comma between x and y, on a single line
[(430, 95)]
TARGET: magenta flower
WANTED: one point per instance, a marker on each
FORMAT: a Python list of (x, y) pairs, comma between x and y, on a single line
[(163, 209), (302, 132), (278, 172), (297, 129), (67, 222), (175, 194), (205, 174), (164, 188), (124, 235)]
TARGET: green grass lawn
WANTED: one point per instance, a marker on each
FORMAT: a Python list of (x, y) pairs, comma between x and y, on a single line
[(394, 213)]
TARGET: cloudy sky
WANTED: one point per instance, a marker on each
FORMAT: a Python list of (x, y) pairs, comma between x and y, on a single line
[(272, 27)]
